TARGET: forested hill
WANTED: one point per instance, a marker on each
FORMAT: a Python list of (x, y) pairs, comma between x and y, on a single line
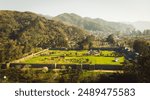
[(97, 24), (20, 32)]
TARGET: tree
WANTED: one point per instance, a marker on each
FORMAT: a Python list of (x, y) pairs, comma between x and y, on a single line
[(87, 43), (70, 75), (141, 47), (146, 32), (143, 68), (22, 32), (140, 69), (111, 39)]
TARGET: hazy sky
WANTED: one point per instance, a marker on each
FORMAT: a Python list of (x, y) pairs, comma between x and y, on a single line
[(112, 10)]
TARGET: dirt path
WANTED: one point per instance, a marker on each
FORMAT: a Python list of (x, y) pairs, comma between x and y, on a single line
[(29, 56)]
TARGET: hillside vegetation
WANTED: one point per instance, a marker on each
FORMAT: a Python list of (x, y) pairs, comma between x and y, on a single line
[(21, 32), (94, 25)]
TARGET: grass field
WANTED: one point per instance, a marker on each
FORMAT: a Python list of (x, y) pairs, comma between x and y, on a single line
[(76, 57)]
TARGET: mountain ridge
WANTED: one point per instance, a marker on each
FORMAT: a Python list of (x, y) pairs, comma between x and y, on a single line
[(140, 25), (93, 24)]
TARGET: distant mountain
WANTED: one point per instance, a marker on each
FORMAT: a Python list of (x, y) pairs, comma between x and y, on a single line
[(141, 25), (98, 25), (20, 32), (46, 16)]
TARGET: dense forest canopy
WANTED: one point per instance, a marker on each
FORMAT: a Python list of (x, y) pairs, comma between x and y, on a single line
[(21, 32)]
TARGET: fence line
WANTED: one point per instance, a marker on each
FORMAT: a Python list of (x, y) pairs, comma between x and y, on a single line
[(62, 66)]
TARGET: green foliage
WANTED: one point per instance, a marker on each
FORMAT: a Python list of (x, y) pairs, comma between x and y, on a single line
[(111, 39), (10, 51), (141, 47), (21, 32), (70, 75), (76, 57), (86, 43), (26, 75), (143, 68), (140, 68), (94, 25), (146, 32)]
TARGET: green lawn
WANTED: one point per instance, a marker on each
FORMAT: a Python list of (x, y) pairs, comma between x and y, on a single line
[(76, 57)]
